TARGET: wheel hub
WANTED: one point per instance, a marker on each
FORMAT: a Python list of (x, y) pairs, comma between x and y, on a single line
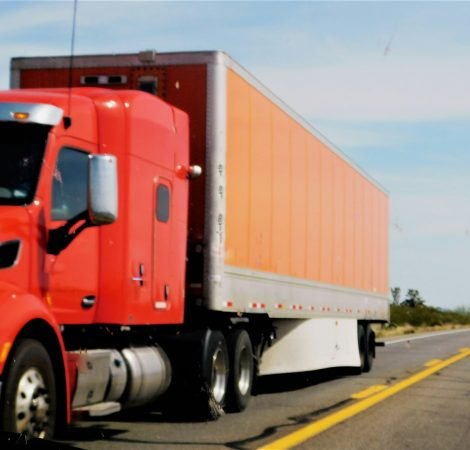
[(219, 374), (244, 373), (32, 404)]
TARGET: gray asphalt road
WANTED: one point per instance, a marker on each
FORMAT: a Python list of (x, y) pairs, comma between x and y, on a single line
[(433, 414)]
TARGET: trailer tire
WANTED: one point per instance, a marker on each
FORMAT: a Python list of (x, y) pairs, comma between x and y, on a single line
[(29, 401), (361, 341), (370, 350), (240, 380)]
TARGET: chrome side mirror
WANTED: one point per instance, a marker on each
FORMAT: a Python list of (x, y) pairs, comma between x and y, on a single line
[(103, 190)]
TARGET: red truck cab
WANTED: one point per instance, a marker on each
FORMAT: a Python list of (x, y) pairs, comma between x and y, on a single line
[(72, 160)]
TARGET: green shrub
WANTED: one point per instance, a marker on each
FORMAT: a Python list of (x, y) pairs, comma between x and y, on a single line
[(427, 316)]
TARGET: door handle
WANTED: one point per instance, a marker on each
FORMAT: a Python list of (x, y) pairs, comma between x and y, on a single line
[(140, 278), (88, 301)]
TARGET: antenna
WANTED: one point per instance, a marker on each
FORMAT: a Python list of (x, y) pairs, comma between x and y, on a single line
[(68, 117)]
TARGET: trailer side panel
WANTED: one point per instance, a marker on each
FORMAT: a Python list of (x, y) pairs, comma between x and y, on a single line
[(296, 211)]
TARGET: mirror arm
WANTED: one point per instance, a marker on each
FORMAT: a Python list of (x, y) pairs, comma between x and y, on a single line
[(60, 238)]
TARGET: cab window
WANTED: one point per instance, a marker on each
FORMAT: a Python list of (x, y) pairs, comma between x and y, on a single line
[(70, 184), (163, 203)]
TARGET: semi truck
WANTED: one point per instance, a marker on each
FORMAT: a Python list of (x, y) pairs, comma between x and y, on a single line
[(170, 230)]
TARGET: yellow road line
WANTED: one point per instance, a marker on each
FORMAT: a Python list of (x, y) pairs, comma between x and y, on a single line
[(432, 362), (315, 428), (369, 391)]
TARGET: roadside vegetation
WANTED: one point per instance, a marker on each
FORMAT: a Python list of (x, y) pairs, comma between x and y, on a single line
[(412, 315)]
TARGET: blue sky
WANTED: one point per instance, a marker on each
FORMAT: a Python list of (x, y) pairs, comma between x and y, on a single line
[(387, 82)]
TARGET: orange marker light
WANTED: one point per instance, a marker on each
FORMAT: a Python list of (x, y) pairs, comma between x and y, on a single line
[(4, 352), (20, 115)]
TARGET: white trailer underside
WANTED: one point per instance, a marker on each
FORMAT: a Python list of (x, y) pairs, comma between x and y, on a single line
[(313, 344)]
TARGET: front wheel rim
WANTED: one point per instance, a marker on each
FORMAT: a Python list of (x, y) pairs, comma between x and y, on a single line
[(32, 404)]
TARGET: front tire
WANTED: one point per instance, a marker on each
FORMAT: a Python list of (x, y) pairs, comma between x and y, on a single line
[(29, 401)]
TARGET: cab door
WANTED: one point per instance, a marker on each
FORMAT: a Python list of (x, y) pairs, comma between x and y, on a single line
[(73, 273), (163, 257)]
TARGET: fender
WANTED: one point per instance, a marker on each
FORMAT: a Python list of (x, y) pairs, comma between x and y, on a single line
[(19, 308)]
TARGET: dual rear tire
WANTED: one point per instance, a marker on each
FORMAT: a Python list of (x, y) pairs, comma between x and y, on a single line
[(227, 372), (240, 380)]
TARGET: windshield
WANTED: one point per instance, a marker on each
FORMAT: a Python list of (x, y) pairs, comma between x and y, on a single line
[(21, 151)]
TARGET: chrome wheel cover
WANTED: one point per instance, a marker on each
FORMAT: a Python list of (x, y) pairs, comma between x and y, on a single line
[(244, 371), (219, 375), (32, 404)]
